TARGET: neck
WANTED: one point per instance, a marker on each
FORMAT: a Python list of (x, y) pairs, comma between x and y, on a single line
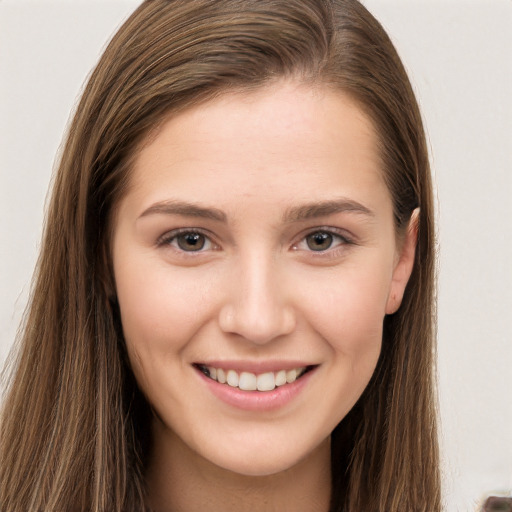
[(180, 480)]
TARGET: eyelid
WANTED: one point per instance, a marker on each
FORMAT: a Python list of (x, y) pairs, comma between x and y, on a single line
[(169, 236), (342, 234)]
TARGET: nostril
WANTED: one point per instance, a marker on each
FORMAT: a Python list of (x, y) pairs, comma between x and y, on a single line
[(256, 323)]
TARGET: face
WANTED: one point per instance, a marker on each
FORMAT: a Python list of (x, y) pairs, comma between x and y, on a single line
[(256, 245)]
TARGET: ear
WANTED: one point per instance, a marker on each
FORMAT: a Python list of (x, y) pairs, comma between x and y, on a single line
[(404, 264)]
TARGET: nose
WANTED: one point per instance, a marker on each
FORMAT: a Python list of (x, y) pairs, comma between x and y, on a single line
[(258, 306)]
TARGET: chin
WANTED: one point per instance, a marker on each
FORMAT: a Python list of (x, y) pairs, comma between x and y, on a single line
[(257, 468), (257, 461)]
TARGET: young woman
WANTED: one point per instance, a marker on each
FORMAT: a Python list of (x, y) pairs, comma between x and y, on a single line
[(233, 306)]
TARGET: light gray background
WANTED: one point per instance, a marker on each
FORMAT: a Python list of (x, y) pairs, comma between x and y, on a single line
[(459, 57)]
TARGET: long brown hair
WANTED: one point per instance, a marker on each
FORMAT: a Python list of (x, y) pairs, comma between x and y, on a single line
[(73, 423)]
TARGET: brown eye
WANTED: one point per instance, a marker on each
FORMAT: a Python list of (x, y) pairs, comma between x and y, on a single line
[(319, 241), (191, 241)]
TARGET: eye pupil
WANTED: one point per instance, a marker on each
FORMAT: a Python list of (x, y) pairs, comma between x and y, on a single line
[(191, 241), (319, 241)]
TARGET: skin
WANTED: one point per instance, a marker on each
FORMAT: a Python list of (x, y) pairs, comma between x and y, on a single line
[(256, 291)]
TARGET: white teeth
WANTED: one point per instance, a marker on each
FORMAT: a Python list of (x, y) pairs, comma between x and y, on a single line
[(291, 376), (221, 376), (266, 382), (232, 378), (248, 381), (281, 378)]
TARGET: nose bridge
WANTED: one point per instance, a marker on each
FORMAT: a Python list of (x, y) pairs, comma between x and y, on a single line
[(257, 307)]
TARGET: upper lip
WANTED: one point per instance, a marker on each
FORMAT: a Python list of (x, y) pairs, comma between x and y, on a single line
[(256, 367)]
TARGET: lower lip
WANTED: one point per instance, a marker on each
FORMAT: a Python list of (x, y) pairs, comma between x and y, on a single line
[(257, 400)]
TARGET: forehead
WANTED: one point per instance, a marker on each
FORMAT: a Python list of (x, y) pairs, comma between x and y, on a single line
[(284, 140)]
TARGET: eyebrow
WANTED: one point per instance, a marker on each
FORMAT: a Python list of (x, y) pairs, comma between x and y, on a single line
[(294, 214), (324, 208), (186, 209)]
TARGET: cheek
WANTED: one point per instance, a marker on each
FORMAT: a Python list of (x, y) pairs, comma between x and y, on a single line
[(161, 311), (355, 338), (348, 308), (349, 318)]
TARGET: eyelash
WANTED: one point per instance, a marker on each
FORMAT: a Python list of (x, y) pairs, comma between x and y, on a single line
[(168, 238), (171, 239), (342, 240)]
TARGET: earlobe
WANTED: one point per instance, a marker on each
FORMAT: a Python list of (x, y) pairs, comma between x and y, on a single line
[(403, 268)]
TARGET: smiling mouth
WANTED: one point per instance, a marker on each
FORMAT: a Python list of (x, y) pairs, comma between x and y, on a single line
[(247, 381)]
